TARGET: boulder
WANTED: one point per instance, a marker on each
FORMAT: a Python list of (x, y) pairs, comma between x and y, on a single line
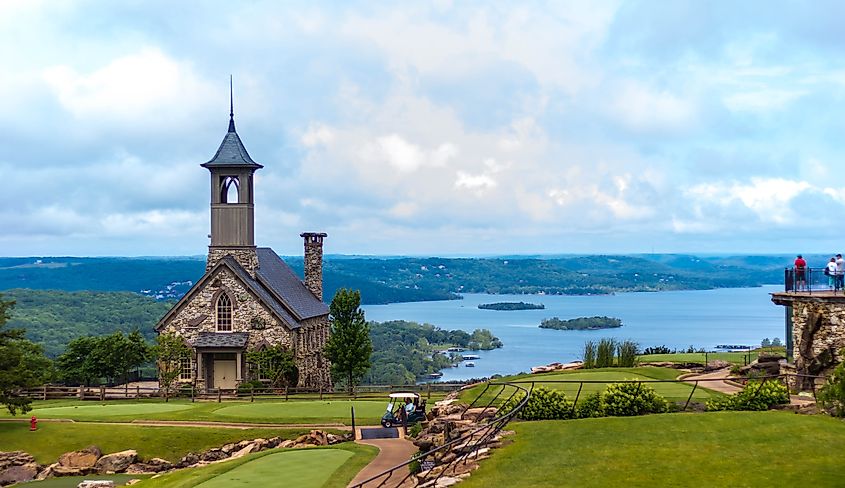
[(273, 442), (243, 452), (116, 462), (229, 448), (318, 438), (188, 460), (213, 455), (154, 465), (46, 472), (14, 458), (59, 470), (83, 458), (18, 474), (96, 484), (287, 444)]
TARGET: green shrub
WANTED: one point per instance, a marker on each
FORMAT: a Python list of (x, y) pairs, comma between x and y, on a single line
[(415, 430), (755, 396), (544, 404), (832, 395), (626, 354), (249, 386), (605, 352), (589, 406), (628, 399), (589, 355)]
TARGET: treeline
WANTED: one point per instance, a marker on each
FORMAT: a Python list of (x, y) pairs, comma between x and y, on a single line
[(511, 306), (55, 318), (404, 351), (581, 323), (389, 280)]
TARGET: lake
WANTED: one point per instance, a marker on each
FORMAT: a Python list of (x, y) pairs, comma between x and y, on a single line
[(676, 319)]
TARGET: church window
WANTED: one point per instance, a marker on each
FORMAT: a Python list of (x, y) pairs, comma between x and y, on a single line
[(186, 369), (229, 190), (224, 313)]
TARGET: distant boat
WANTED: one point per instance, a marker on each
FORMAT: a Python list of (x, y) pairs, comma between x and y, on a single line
[(435, 375), (470, 364), (455, 349), (471, 357)]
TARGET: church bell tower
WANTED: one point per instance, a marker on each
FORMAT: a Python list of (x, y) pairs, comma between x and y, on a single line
[(232, 200)]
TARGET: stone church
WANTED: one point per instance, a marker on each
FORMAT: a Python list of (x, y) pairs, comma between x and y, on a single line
[(248, 297)]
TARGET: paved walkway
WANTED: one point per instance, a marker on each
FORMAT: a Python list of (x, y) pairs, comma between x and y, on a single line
[(391, 453), (729, 388)]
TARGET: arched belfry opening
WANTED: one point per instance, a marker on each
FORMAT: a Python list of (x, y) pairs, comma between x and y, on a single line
[(230, 189)]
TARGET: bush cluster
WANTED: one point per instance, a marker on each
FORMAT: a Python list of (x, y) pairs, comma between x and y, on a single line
[(617, 400), (755, 396), (832, 395)]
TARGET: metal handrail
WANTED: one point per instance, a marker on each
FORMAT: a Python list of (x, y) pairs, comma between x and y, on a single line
[(814, 280), (474, 439)]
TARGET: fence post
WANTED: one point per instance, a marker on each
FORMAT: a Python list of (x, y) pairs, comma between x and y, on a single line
[(353, 422), (193, 393), (252, 393), (44, 392), (428, 396), (137, 391), (102, 393), (219, 395), (286, 392), (321, 391), (81, 392)]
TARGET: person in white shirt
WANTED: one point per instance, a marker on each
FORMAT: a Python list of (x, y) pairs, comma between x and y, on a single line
[(831, 274)]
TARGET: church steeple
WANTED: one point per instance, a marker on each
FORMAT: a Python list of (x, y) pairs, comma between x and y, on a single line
[(232, 198)]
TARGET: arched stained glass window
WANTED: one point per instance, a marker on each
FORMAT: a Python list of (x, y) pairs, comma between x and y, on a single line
[(224, 313)]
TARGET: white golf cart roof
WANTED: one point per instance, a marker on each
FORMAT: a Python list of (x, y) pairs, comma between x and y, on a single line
[(404, 394)]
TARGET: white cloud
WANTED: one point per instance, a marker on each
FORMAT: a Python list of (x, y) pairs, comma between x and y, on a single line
[(644, 109), (762, 100), (768, 198)]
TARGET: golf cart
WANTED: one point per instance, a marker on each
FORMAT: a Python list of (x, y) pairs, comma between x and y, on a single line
[(396, 409)]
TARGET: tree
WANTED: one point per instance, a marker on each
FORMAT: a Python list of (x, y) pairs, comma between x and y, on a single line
[(274, 363), (170, 350), (349, 347), (766, 342), (22, 363), (776, 342), (81, 362)]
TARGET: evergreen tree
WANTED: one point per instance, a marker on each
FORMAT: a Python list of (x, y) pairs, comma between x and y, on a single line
[(349, 347), (22, 363)]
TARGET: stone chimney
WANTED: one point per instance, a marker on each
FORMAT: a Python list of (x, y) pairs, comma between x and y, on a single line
[(314, 262)]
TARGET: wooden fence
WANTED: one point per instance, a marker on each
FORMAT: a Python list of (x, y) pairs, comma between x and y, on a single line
[(102, 393)]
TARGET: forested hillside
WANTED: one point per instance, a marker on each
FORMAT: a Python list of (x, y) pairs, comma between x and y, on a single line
[(54, 318), (387, 280)]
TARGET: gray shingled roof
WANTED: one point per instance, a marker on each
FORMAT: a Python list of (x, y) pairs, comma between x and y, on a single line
[(222, 339), (267, 297), (277, 276), (231, 152)]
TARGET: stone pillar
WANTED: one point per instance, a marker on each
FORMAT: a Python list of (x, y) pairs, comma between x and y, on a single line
[(314, 262)]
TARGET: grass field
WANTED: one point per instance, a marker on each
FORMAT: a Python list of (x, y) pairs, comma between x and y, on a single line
[(719, 449), (670, 391), (284, 412), (740, 358), (53, 439), (73, 481), (304, 468)]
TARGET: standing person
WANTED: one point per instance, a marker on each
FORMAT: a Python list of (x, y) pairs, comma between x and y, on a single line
[(800, 273), (840, 272), (830, 271)]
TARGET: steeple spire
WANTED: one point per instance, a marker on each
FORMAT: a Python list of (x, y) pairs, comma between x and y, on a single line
[(231, 106)]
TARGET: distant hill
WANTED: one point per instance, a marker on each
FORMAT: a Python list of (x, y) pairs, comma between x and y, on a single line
[(405, 279)]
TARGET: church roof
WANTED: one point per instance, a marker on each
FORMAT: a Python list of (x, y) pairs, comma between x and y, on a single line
[(277, 276), (231, 152), (221, 339)]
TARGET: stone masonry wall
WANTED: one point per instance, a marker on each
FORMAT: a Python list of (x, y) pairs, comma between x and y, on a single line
[(248, 315), (246, 257), (314, 263), (314, 368), (818, 335)]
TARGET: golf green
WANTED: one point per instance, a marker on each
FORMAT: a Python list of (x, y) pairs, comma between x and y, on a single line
[(302, 468), (317, 410), (109, 410)]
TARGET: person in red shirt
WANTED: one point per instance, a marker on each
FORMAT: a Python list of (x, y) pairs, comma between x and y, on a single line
[(800, 273)]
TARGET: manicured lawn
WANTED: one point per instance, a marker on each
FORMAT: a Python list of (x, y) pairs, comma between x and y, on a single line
[(171, 443), (730, 449), (303, 468), (740, 358), (73, 481), (670, 391), (266, 411)]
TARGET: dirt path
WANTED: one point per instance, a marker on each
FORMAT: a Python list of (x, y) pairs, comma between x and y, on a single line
[(391, 453)]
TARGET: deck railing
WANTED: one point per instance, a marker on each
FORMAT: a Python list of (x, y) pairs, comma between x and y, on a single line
[(811, 280)]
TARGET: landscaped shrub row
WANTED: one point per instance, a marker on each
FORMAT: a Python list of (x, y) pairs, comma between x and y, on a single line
[(617, 400), (755, 396)]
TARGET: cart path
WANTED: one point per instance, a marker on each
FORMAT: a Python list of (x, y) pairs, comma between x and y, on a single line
[(196, 423), (391, 453), (730, 388)]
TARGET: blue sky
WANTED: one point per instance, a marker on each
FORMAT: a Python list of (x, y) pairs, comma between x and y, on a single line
[(427, 128)]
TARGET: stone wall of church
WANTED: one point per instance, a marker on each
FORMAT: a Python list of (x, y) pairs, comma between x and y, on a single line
[(246, 257), (248, 315), (314, 368)]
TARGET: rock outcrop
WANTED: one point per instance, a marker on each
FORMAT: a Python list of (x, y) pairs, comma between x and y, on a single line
[(116, 462)]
